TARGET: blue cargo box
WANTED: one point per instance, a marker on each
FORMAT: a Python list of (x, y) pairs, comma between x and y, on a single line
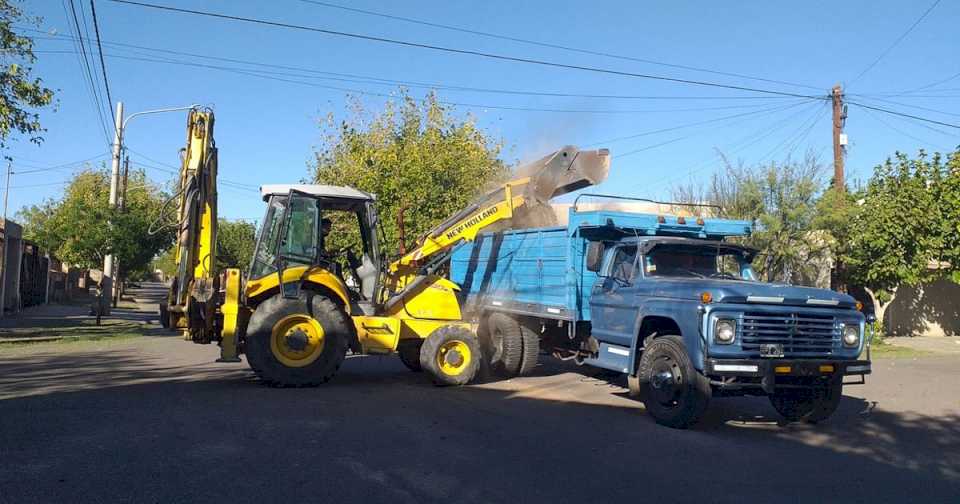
[(534, 272), (540, 271)]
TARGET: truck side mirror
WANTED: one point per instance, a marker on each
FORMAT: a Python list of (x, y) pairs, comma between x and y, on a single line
[(594, 256)]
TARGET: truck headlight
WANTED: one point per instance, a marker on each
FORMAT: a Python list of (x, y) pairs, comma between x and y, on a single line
[(725, 331), (851, 335)]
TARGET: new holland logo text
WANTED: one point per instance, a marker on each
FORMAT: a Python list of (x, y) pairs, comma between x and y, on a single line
[(473, 221)]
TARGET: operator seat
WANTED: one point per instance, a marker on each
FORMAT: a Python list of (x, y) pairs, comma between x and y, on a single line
[(367, 272)]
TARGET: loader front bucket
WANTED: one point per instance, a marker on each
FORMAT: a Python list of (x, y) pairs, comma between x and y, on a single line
[(565, 171)]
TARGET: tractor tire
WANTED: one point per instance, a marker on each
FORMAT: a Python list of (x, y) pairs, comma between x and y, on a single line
[(809, 405), (506, 341), (531, 350), (409, 353), (297, 342), (451, 355), (674, 393)]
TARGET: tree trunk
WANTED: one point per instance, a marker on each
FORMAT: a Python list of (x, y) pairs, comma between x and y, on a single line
[(880, 309)]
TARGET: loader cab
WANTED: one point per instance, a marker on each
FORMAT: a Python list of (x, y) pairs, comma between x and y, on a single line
[(293, 235)]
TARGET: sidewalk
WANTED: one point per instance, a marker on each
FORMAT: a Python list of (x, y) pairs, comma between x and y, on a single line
[(934, 344), (56, 321)]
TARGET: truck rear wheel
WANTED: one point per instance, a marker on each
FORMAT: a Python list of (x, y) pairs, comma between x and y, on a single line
[(297, 342), (672, 390), (531, 350), (504, 344), (409, 353), (810, 405), (451, 354)]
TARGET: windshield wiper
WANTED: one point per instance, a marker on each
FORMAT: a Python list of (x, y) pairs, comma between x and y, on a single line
[(701, 275)]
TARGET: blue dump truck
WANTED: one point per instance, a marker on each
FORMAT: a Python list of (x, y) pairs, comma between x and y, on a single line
[(667, 301)]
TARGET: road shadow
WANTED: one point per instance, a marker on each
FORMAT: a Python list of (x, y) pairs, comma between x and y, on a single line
[(109, 426)]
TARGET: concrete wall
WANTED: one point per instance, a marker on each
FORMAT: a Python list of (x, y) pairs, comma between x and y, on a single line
[(928, 310), (12, 235)]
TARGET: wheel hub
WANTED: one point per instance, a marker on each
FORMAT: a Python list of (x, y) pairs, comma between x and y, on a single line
[(297, 340), (666, 381), (454, 358)]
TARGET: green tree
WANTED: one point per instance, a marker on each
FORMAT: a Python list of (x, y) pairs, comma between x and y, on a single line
[(414, 155), (903, 233), (235, 241), (949, 194), (75, 227), (20, 91), (781, 200)]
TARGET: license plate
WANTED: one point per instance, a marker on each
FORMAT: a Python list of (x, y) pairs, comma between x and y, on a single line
[(771, 350)]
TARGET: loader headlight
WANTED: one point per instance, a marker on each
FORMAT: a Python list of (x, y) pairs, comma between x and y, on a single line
[(725, 331), (851, 335)]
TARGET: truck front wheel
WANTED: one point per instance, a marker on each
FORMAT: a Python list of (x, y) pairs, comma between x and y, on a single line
[(672, 390), (810, 405), (297, 342)]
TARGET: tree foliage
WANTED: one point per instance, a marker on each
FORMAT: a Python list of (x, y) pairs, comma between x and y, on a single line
[(781, 200), (903, 228), (235, 242), (414, 155), (21, 93), (75, 227)]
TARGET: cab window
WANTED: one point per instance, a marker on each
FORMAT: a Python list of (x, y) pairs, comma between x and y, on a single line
[(624, 263), (300, 242)]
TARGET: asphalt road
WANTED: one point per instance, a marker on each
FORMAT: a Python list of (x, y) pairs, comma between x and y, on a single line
[(155, 420)]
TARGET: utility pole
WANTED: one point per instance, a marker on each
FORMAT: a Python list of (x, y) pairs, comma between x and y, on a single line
[(123, 191), (122, 204), (839, 139), (6, 239), (107, 282)]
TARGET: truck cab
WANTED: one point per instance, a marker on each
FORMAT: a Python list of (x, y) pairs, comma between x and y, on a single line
[(739, 335)]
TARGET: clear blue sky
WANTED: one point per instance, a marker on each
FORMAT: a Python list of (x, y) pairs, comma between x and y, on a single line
[(267, 129)]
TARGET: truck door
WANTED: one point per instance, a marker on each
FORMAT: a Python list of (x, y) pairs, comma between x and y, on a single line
[(613, 305)]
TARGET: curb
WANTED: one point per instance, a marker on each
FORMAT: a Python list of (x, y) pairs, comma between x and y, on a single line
[(37, 339)]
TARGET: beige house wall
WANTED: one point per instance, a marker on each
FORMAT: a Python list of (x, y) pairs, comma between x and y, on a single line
[(928, 310)]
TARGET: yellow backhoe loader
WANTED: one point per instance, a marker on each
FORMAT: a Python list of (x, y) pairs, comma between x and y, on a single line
[(301, 307)]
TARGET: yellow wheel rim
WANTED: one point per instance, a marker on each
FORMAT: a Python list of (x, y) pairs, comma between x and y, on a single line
[(297, 340), (453, 357)]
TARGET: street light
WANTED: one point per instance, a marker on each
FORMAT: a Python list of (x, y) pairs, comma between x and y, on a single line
[(120, 125)]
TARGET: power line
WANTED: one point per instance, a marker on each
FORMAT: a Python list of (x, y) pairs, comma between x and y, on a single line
[(470, 52), (550, 45), (902, 114), (274, 76), (904, 133), (93, 65), (697, 123), (41, 185), (928, 109), (175, 170), (103, 66), (737, 146), (70, 165), (87, 75), (367, 79), (896, 42)]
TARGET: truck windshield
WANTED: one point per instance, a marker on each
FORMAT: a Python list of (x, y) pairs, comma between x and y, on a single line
[(697, 262)]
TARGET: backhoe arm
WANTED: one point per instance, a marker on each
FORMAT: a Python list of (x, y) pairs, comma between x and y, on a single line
[(192, 294)]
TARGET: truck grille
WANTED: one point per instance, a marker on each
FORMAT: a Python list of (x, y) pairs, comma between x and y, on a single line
[(801, 334)]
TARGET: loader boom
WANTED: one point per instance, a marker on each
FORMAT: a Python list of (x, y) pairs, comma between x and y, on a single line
[(536, 183)]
